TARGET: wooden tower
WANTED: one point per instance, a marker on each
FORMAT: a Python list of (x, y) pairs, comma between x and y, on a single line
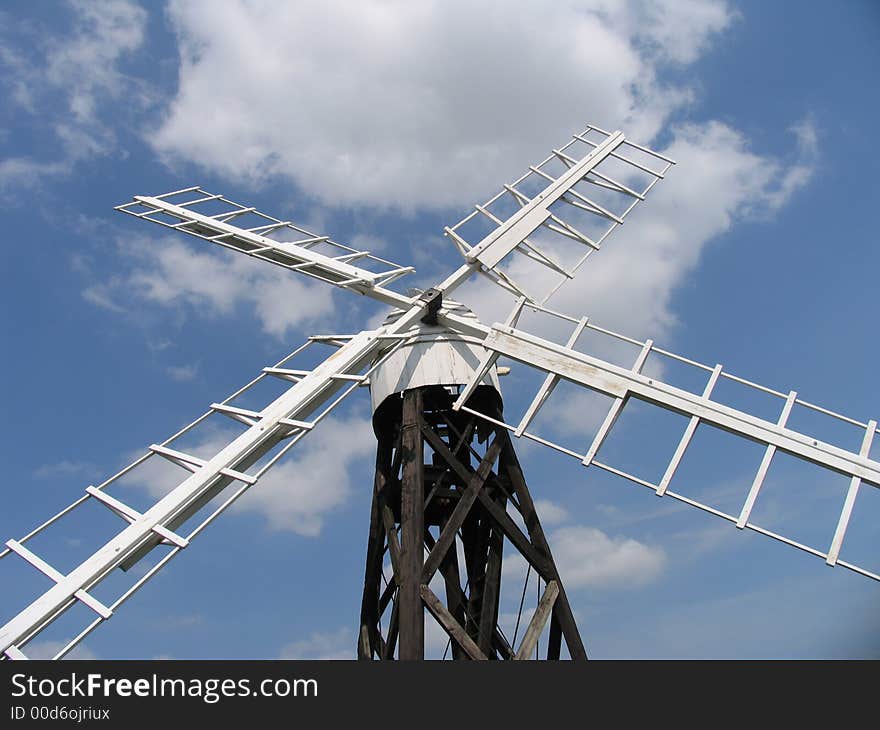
[(449, 495)]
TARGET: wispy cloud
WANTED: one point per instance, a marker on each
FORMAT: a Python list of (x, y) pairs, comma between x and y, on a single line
[(339, 644), (550, 513), (168, 273), (383, 123), (66, 468), (183, 373), (61, 82), (48, 649), (586, 556), (301, 490)]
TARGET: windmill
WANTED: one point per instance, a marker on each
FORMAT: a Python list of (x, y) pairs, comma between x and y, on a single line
[(449, 493)]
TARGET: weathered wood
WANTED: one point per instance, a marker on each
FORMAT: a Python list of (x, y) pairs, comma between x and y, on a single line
[(512, 470), (368, 634), (475, 543), (392, 540), (393, 626), (539, 561), (539, 619), (412, 527), (448, 622), (365, 644), (460, 512), (455, 592), (449, 569), (554, 641), (491, 588), (387, 595)]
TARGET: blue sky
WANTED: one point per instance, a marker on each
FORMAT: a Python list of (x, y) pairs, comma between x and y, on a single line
[(379, 125)]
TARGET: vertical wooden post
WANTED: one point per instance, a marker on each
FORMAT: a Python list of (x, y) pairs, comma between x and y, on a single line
[(411, 623), (449, 570), (491, 588), (368, 636)]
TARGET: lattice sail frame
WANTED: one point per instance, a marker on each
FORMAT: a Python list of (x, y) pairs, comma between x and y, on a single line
[(283, 243), (580, 193), (621, 384), (288, 418)]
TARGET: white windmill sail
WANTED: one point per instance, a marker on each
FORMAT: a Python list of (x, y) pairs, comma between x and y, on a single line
[(560, 211), (566, 362), (270, 432), (283, 243)]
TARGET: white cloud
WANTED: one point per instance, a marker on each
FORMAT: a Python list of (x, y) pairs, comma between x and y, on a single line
[(628, 286), (297, 494), (99, 295), (61, 81), (48, 649), (549, 512), (417, 104), (85, 64), (183, 373), (66, 468), (173, 274), (20, 173), (299, 491), (406, 106), (372, 113), (586, 556), (339, 644)]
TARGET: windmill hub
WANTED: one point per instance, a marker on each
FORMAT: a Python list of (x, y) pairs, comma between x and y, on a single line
[(433, 355)]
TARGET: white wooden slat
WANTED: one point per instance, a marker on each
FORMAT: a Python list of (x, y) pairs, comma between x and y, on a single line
[(194, 463), (689, 432), (34, 560), (849, 502), (539, 620), (616, 408), (549, 383), (58, 577), (131, 515), (13, 652), (765, 465), (298, 402), (242, 415)]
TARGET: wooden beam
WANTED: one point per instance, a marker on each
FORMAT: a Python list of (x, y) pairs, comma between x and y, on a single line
[(491, 588), (509, 464), (365, 645), (539, 619), (393, 627), (368, 634), (448, 622), (455, 592), (454, 601), (447, 534), (540, 562), (412, 528), (554, 642), (392, 540)]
